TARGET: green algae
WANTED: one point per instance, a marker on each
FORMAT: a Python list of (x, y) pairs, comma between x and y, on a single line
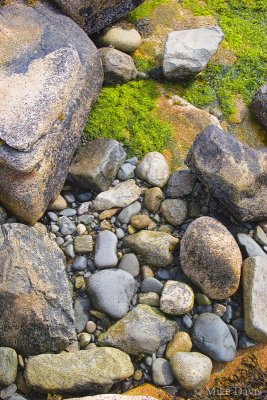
[(128, 113)]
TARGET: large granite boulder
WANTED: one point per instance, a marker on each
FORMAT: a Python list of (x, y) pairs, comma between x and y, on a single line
[(36, 313), (94, 15), (58, 72), (233, 172), (258, 105)]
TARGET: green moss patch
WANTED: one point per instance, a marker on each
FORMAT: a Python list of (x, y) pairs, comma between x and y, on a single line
[(128, 113), (144, 10)]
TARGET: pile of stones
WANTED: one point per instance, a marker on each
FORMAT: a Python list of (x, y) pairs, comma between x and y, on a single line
[(154, 264)]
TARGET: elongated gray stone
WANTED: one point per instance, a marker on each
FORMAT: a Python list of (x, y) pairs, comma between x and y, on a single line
[(254, 281), (251, 247), (127, 213), (106, 250)]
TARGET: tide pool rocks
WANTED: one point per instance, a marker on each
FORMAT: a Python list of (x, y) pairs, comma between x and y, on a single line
[(93, 16), (211, 258), (94, 370), (187, 52), (41, 125), (244, 197), (36, 314)]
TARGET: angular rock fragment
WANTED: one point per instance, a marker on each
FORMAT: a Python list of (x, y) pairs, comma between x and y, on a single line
[(142, 330), (36, 313)]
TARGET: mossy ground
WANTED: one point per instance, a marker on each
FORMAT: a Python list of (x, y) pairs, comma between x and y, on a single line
[(232, 77), (128, 113)]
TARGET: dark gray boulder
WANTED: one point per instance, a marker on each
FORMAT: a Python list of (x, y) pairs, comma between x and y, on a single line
[(233, 172), (258, 106), (36, 313), (59, 73), (94, 15)]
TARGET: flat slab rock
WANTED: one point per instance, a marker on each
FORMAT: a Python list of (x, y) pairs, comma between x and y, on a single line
[(122, 195), (40, 125), (142, 330), (92, 15), (188, 52), (94, 370), (36, 313), (254, 284), (217, 159)]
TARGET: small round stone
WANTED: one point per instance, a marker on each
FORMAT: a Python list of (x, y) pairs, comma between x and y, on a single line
[(154, 169), (153, 199), (81, 229), (138, 375), (91, 327), (140, 221), (151, 285), (202, 299), (130, 263), (80, 263), (218, 309), (174, 211), (147, 272), (84, 339), (177, 298), (161, 372)]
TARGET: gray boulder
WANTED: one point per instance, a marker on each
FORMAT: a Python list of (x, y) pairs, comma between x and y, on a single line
[(118, 66), (213, 337), (96, 164), (36, 313), (111, 291), (142, 330), (218, 159), (258, 105), (59, 73), (93, 15), (188, 52)]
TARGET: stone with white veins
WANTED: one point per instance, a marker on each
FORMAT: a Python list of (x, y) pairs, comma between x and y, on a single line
[(177, 298), (192, 370), (111, 291), (106, 250), (254, 282), (188, 52), (121, 196), (154, 169), (127, 213)]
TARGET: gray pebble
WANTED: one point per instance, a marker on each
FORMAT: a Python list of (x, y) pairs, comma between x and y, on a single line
[(120, 233), (68, 212), (52, 216), (151, 285), (106, 250), (163, 273), (249, 245), (238, 323), (161, 372), (69, 197), (126, 171), (59, 241), (86, 219), (128, 212), (228, 315), (79, 264), (245, 341), (84, 197), (84, 208), (54, 228), (66, 226), (187, 321), (130, 263), (133, 161), (81, 312), (212, 336), (69, 251)]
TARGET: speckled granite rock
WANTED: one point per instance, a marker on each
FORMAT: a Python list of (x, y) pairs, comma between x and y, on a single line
[(217, 158), (59, 73), (94, 15), (36, 313)]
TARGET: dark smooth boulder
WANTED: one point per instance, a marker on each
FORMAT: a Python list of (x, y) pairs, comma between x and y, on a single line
[(94, 15), (235, 173), (59, 75)]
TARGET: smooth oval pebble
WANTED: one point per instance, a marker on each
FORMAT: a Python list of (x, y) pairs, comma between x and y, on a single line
[(106, 250)]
